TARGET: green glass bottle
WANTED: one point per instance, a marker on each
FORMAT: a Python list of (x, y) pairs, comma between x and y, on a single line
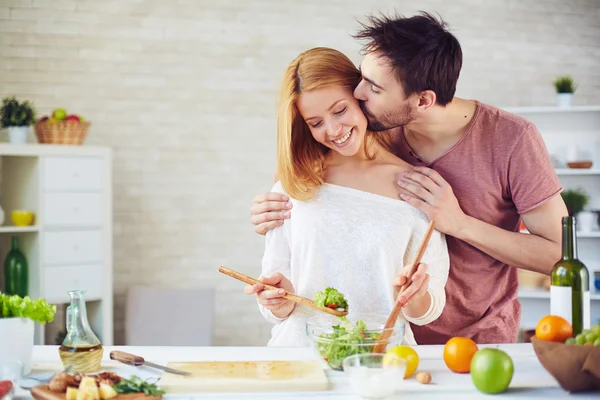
[(570, 288), (16, 279)]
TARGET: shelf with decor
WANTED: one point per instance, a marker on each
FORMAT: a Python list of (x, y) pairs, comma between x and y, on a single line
[(572, 137), (576, 171), (18, 229), (68, 243), (545, 294), (552, 110)]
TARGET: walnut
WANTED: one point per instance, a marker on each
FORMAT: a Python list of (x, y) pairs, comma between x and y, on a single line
[(109, 377)]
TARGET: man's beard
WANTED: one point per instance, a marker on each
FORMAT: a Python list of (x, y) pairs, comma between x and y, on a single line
[(389, 120)]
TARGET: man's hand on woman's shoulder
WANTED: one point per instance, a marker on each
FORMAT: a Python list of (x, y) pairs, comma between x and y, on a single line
[(268, 211)]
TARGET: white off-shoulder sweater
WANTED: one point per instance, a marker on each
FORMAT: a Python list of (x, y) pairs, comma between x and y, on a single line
[(356, 242)]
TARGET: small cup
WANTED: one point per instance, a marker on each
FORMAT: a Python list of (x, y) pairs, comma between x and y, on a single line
[(374, 375)]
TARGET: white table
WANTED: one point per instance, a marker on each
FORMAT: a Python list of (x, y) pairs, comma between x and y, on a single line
[(530, 380)]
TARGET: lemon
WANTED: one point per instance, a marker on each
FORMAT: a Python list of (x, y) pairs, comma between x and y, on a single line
[(408, 354)]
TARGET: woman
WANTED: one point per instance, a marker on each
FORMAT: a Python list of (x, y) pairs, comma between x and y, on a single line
[(350, 231)]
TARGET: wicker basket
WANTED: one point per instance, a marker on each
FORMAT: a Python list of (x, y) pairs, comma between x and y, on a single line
[(61, 132)]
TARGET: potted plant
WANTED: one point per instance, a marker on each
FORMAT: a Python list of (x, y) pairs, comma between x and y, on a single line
[(565, 87), (17, 316), (576, 200), (16, 117)]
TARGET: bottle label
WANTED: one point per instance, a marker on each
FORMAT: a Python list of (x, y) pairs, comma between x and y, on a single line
[(586, 310), (561, 301)]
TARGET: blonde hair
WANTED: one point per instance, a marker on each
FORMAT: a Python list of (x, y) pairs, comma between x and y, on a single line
[(300, 158)]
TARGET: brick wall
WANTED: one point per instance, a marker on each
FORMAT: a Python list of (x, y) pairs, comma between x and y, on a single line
[(185, 93)]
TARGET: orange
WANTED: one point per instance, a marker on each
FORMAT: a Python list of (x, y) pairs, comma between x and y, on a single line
[(458, 353), (553, 328)]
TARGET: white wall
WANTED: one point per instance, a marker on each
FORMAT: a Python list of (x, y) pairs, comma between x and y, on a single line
[(185, 93)]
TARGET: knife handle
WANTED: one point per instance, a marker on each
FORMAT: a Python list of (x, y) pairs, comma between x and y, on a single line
[(126, 358)]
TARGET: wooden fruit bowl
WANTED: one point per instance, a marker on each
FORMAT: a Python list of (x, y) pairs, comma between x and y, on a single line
[(575, 368), (580, 164)]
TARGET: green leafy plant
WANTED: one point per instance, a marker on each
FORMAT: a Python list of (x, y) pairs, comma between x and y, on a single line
[(15, 306), (15, 113), (565, 84), (576, 200)]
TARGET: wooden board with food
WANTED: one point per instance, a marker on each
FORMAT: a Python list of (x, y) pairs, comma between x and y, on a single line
[(100, 386)]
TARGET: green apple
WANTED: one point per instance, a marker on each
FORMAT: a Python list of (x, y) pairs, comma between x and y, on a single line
[(491, 370), (59, 114)]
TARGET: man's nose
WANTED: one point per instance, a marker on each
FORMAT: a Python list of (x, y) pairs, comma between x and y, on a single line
[(358, 92)]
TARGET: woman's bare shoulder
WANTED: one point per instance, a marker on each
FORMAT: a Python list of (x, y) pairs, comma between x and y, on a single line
[(394, 164)]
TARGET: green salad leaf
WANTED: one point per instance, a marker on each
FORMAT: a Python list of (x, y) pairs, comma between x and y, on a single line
[(15, 306), (136, 385), (346, 340), (331, 298)]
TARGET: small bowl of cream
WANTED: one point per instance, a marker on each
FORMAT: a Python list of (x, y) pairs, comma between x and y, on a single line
[(374, 375)]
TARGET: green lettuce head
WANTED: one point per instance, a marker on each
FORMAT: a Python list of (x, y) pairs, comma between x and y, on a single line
[(16, 306)]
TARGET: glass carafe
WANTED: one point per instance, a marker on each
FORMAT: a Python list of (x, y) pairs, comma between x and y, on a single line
[(81, 349)]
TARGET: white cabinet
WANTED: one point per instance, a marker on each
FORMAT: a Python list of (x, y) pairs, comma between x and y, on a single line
[(73, 209), (69, 245), (72, 247), (73, 173)]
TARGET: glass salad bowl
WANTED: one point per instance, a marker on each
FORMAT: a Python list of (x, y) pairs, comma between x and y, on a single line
[(335, 338)]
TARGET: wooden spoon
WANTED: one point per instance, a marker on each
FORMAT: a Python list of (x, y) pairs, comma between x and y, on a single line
[(391, 321), (289, 296)]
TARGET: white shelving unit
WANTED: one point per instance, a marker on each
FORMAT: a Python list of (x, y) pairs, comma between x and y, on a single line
[(544, 294), (568, 132), (69, 189), (576, 172)]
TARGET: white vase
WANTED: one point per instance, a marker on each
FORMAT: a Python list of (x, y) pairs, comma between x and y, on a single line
[(16, 341), (18, 134), (563, 100), (1, 216), (585, 221)]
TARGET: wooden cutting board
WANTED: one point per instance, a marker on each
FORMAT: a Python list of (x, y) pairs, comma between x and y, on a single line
[(44, 393), (245, 376)]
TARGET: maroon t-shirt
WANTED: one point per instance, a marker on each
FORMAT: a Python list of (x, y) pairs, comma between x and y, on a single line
[(499, 169)]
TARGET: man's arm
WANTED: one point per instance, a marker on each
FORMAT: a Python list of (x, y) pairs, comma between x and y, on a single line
[(536, 251)]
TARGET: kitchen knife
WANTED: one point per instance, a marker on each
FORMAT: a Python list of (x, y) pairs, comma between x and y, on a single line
[(132, 359)]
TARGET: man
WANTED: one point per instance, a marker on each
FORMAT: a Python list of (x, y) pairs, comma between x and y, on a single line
[(478, 172)]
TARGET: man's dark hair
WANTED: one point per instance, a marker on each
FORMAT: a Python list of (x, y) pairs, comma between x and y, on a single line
[(423, 53)]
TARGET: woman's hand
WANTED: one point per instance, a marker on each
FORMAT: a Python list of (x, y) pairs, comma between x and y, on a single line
[(272, 299), (415, 298)]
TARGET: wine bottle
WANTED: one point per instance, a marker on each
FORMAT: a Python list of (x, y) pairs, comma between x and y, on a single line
[(570, 287), (16, 280)]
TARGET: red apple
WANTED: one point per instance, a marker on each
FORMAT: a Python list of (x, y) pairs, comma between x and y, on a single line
[(72, 118)]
